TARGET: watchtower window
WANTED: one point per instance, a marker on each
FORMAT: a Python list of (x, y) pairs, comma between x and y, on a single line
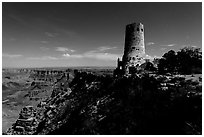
[(142, 30), (138, 29)]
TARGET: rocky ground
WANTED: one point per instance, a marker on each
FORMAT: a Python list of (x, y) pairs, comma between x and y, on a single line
[(12, 86), (15, 89), (139, 104)]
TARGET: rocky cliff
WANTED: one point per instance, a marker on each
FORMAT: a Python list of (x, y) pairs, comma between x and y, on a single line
[(139, 104)]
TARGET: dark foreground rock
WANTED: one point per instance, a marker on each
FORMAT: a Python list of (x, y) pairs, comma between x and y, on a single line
[(139, 104)]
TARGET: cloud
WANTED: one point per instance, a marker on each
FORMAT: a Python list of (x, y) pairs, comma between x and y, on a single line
[(104, 48), (194, 46), (44, 42), (44, 48), (101, 49), (64, 49), (99, 56), (68, 33), (150, 43), (52, 35), (66, 55), (169, 45), (42, 58), (94, 54), (99, 53), (11, 55), (102, 56), (163, 49)]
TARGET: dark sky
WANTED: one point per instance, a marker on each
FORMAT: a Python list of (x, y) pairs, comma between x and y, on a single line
[(92, 34)]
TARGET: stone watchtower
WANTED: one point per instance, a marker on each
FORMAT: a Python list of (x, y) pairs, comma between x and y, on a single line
[(134, 51)]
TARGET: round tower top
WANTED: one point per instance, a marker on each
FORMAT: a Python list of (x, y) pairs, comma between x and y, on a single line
[(135, 27), (135, 24)]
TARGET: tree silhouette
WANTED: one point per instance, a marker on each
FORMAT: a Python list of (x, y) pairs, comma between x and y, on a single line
[(171, 61), (189, 58), (186, 61)]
